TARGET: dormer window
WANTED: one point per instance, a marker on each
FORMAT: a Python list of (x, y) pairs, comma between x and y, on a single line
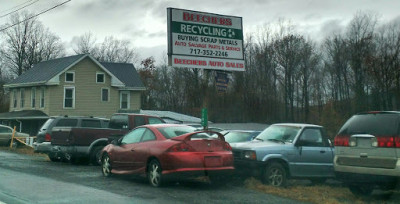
[(100, 78), (70, 77)]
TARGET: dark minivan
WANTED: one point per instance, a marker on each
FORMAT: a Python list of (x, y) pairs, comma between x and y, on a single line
[(43, 139)]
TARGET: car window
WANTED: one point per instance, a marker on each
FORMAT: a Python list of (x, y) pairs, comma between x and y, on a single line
[(134, 136), (118, 122), (5, 130), (148, 136), (374, 124), (170, 132), (154, 120), (91, 123), (46, 125), (67, 123), (139, 120), (311, 137)]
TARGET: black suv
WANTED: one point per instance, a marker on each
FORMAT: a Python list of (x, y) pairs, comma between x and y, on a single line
[(43, 138), (367, 152)]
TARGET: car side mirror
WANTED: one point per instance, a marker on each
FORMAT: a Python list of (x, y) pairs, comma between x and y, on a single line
[(330, 143)]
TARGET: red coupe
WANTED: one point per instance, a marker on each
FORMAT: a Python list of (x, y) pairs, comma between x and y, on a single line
[(166, 150)]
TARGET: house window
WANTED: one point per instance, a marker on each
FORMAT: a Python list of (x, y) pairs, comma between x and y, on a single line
[(70, 77), (42, 97), (33, 97), (22, 95), (100, 78), (104, 94), (15, 98), (124, 98), (69, 97)]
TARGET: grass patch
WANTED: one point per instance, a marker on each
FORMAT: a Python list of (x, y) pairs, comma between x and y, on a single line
[(23, 149), (313, 194)]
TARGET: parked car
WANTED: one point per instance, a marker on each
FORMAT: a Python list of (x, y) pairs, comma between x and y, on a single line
[(74, 143), (367, 152), (168, 151), (287, 150), (45, 134), (6, 134), (235, 136)]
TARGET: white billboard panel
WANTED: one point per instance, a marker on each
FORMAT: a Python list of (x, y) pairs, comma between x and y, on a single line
[(206, 38)]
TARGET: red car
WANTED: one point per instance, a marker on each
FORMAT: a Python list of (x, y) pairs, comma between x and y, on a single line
[(165, 150)]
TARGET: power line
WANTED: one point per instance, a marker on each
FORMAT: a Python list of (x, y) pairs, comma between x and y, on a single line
[(35, 15), (16, 6), (18, 9)]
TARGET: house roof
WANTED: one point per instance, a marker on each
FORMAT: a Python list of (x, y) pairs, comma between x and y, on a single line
[(46, 71), (124, 72), (24, 114)]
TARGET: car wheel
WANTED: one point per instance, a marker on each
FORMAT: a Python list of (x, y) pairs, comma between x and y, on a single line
[(53, 157), (275, 175), (95, 155), (358, 190), (154, 173), (106, 166)]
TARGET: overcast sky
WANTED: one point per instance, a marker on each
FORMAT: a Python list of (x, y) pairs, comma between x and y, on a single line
[(144, 22)]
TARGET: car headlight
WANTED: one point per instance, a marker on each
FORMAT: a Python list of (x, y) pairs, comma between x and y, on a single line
[(250, 155)]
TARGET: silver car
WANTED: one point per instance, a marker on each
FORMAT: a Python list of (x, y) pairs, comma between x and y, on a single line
[(367, 152), (6, 134)]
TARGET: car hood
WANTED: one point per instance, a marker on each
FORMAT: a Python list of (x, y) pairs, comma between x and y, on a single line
[(255, 144)]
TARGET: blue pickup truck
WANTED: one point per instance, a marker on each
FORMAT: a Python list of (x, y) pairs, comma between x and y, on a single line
[(287, 150)]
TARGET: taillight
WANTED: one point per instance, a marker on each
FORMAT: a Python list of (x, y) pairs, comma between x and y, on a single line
[(388, 141), (227, 147), (397, 141), (342, 140), (181, 147), (47, 137)]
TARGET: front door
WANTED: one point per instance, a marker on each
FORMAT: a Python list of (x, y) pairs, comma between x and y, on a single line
[(313, 155)]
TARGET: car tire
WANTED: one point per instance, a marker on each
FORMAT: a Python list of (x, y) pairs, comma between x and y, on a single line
[(95, 155), (53, 157), (106, 165), (154, 173), (275, 175), (364, 190)]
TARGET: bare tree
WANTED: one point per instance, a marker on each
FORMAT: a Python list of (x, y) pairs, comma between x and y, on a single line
[(27, 43), (360, 42), (114, 50), (85, 44)]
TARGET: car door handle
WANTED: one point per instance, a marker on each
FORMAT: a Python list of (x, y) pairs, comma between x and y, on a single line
[(132, 150), (322, 151)]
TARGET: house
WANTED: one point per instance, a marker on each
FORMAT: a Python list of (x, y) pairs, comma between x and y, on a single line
[(76, 85)]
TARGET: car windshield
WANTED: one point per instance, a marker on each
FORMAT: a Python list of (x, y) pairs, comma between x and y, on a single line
[(237, 136), (175, 131), (281, 133)]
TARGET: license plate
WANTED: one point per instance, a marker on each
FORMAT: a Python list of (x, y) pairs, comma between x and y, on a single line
[(212, 161)]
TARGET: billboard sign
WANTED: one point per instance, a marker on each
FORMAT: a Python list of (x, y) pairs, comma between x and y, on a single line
[(205, 40)]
